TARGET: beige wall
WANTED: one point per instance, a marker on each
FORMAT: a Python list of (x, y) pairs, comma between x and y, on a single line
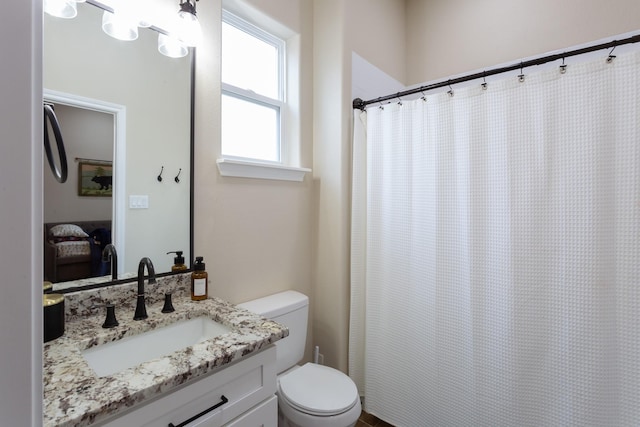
[(446, 37), (61, 201), (373, 29), (376, 31), (255, 235), (331, 182)]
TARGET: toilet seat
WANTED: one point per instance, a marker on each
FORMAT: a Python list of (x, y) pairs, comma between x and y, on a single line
[(318, 390)]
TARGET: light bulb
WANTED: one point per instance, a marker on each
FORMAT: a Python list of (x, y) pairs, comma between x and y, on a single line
[(189, 29), (119, 26), (61, 8), (171, 47)]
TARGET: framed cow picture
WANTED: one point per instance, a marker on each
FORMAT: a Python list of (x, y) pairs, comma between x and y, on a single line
[(95, 178)]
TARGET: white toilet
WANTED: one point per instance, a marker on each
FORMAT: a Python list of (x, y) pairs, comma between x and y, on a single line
[(310, 395)]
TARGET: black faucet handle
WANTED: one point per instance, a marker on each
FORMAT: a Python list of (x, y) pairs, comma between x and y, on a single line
[(168, 306), (110, 321)]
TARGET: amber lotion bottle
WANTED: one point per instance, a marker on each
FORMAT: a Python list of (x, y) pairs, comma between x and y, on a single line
[(199, 281)]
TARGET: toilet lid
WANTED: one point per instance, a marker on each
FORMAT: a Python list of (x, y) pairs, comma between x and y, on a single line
[(318, 390)]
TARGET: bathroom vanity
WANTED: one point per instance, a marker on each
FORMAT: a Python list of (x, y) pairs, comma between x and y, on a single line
[(226, 380), (242, 394)]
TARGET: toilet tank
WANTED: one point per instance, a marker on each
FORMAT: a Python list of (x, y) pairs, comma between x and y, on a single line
[(291, 309)]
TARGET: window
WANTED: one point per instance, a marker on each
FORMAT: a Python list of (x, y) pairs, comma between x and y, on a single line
[(253, 93)]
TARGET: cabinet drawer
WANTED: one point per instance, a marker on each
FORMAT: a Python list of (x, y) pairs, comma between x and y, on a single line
[(263, 415), (243, 384)]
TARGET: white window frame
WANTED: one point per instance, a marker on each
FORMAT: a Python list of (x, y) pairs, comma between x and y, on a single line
[(258, 168), (255, 98)]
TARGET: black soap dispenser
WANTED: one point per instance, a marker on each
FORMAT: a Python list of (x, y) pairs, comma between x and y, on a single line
[(178, 262)]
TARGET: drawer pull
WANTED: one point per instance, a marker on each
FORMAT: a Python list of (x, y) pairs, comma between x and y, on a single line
[(223, 400)]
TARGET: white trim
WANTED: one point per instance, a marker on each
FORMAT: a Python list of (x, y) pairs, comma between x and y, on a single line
[(251, 96), (260, 170), (119, 158)]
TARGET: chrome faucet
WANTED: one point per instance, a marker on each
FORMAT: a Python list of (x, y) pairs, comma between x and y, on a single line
[(110, 254), (141, 309)]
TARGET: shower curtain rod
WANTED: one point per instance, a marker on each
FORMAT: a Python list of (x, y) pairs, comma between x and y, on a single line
[(361, 105)]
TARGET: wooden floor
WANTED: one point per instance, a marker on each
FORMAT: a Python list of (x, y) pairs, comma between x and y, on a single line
[(368, 420)]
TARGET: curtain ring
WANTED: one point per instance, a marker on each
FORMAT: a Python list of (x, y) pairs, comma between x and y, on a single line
[(423, 97), (399, 99), (484, 81), (381, 106), (611, 56), (563, 67), (521, 75), (160, 175), (450, 91)]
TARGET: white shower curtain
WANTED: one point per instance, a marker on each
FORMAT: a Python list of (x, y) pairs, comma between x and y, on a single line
[(496, 253)]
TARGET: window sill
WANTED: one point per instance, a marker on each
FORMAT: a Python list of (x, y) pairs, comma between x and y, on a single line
[(257, 170)]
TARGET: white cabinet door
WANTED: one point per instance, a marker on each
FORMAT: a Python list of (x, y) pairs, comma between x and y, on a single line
[(263, 415)]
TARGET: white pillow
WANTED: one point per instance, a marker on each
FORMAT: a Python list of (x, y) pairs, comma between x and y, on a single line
[(67, 230)]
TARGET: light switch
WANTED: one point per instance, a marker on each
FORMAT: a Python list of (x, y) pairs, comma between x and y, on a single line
[(139, 202)]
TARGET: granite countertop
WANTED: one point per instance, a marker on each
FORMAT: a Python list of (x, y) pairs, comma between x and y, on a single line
[(75, 396)]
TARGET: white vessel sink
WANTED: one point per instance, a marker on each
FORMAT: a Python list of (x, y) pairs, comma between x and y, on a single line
[(116, 356)]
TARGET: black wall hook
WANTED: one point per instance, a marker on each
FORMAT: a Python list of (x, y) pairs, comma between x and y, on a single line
[(160, 175), (177, 179)]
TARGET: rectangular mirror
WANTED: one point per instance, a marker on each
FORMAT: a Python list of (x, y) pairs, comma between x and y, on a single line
[(125, 109)]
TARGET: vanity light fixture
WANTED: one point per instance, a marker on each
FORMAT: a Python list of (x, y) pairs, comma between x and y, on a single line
[(121, 19)]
